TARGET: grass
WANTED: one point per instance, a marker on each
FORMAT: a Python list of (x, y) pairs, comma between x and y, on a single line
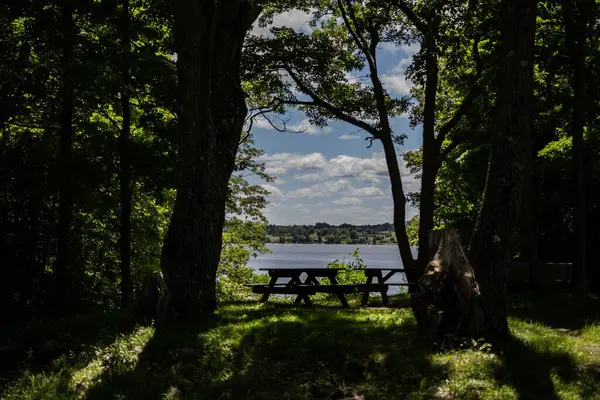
[(278, 351)]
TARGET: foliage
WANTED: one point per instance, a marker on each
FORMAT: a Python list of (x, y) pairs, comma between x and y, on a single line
[(32, 83), (258, 351), (351, 271), (245, 226)]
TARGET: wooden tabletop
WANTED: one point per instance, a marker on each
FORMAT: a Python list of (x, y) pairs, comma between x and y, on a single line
[(385, 269), (326, 269), (299, 269)]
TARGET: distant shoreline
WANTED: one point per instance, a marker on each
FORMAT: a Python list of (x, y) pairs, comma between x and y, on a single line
[(334, 244)]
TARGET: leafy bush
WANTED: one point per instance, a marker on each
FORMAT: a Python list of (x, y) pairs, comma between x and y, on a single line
[(351, 272), (243, 240)]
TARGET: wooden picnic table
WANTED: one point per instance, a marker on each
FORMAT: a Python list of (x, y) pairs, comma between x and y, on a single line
[(296, 281), (305, 286), (377, 273)]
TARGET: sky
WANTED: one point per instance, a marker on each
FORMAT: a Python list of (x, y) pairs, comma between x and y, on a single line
[(328, 174)]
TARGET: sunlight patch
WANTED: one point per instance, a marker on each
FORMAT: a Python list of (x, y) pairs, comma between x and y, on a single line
[(115, 359)]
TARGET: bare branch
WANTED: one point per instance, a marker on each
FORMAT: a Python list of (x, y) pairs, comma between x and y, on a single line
[(263, 111), (371, 139)]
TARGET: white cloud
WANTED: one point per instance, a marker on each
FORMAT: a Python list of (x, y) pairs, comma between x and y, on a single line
[(285, 161), (395, 79), (370, 192), (396, 84), (356, 167), (295, 19), (350, 201), (322, 189), (303, 127), (336, 184), (273, 190), (279, 181), (371, 169), (349, 136), (310, 177), (275, 170)]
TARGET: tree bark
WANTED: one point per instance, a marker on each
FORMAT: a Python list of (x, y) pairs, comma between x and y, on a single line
[(63, 266), (537, 275), (575, 30), (209, 38), (399, 200), (125, 166), (430, 156), (447, 302), (493, 239)]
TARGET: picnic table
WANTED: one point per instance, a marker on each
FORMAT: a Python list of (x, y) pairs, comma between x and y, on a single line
[(305, 282), (377, 273)]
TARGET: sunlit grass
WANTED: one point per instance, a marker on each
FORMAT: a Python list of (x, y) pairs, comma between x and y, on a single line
[(257, 351)]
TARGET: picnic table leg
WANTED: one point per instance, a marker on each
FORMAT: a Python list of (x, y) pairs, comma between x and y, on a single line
[(365, 296), (384, 296), (266, 295), (340, 296), (307, 281)]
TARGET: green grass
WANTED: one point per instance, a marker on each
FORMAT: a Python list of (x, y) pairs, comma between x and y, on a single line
[(278, 351)]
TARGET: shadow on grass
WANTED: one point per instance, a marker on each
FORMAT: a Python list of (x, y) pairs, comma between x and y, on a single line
[(35, 346), (529, 371), (279, 352), (558, 311)]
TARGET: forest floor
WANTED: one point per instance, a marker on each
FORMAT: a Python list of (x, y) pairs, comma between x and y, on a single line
[(278, 351)]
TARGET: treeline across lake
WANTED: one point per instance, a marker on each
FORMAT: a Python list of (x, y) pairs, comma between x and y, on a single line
[(323, 233)]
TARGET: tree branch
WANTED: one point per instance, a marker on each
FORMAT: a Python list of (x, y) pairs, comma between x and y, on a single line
[(452, 122), (319, 102), (412, 16), (358, 38), (370, 139), (444, 153), (467, 102)]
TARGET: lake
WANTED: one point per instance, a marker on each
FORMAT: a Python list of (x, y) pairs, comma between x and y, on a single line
[(319, 255)]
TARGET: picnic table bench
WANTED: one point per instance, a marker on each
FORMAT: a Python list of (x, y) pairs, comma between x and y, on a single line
[(310, 284)]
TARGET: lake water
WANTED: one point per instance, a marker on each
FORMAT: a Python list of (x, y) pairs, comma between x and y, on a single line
[(319, 255)]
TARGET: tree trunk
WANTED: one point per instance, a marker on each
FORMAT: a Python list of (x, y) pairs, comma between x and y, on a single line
[(447, 302), (537, 275), (430, 157), (209, 38), (125, 167), (63, 264), (575, 29), (492, 243), (399, 209)]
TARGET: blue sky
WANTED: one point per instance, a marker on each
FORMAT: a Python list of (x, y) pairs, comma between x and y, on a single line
[(329, 175)]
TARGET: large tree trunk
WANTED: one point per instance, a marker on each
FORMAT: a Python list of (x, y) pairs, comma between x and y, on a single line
[(399, 210), (63, 264), (447, 302), (493, 240), (125, 167), (212, 109), (537, 275), (575, 29), (430, 157)]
